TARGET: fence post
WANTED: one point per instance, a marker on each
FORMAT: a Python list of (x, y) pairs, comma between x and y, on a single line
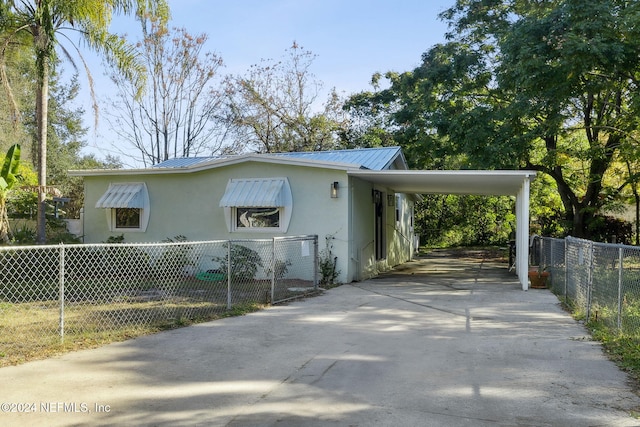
[(273, 268), (620, 271), (566, 271), (589, 280), (228, 274), (61, 290), (315, 262)]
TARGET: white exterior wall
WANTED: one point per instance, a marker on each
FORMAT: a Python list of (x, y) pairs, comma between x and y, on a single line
[(399, 235), (188, 204), (362, 256)]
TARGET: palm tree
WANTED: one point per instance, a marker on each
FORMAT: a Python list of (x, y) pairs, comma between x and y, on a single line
[(41, 23)]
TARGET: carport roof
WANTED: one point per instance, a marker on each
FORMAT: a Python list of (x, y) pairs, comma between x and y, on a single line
[(477, 182)]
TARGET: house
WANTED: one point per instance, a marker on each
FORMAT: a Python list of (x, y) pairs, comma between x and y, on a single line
[(369, 227), (360, 202)]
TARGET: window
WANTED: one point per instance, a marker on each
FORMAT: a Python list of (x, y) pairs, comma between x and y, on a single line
[(126, 217), (247, 217), (126, 205), (257, 205)]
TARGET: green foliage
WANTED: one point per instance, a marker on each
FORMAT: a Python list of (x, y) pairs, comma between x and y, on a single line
[(8, 178), (546, 86), (175, 259), (605, 228), (279, 270), (57, 232), (39, 24), (622, 348), (24, 234), (450, 220), (327, 263), (244, 263), (115, 239)]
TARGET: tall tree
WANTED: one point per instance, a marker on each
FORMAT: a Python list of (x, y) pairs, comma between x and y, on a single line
[(178, 116), (548, 85), (42, 23), (275, 107)]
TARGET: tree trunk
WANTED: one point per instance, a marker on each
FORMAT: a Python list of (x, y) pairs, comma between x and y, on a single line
[(579, 224), (42, 112)]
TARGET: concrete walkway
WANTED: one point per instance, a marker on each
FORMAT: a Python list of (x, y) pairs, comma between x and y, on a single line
[(439, 342)]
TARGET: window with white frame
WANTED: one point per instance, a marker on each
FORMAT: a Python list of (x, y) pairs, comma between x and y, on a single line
[(248, 217), (126, 217), (257, 205), (126, 205)]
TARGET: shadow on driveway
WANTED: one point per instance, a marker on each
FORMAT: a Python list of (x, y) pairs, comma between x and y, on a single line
[(438, 341)]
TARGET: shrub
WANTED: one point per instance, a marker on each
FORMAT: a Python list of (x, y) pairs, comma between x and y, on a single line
[(244, 262), (327, 264)]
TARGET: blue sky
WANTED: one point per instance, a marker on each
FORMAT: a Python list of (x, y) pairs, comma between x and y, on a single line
[(352, 39)]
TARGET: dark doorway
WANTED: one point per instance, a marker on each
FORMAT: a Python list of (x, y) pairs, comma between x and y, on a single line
[(379, 225)]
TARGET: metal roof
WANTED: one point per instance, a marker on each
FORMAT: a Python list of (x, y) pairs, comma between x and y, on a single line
[(366, 158), (126, 195), (183, 162), (254, 192), (380, 158)]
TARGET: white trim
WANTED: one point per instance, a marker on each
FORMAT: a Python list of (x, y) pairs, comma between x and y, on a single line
[(236, 229), (482, 182), (285, 200), (144, 210), (262, 158)]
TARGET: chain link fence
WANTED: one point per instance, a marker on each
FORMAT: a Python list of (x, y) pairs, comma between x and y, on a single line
[(598, 281), (56, 297)]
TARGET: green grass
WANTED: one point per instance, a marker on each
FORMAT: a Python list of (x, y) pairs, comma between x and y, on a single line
[(30, 331), (621, 348), (621, 345), (99, 311)]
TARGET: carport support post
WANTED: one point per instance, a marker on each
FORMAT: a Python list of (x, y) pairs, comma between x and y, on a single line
[(522, 233)]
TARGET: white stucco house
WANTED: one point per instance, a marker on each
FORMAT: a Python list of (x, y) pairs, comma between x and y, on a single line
[(362, 200), (370, 226)]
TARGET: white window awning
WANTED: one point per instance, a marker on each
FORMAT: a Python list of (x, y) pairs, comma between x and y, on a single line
[(255, 192), (124, 195)]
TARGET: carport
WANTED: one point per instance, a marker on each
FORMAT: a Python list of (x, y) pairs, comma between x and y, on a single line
[(473, 182)]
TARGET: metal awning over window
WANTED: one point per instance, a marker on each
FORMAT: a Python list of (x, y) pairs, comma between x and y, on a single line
[(255, 192), (124, 195)]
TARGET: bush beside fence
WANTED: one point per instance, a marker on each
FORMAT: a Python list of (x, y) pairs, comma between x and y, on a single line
[(600, 282), (54, 296)]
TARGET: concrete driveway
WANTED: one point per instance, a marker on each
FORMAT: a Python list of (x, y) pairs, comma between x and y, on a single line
[(439, 342)]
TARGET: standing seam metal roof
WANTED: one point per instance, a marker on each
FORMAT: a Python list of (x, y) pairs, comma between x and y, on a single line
[(365, 158), (122, 195), (254, 192)]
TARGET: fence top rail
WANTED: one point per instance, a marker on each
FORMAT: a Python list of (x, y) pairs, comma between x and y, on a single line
[(151, 244), (577, 240)]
